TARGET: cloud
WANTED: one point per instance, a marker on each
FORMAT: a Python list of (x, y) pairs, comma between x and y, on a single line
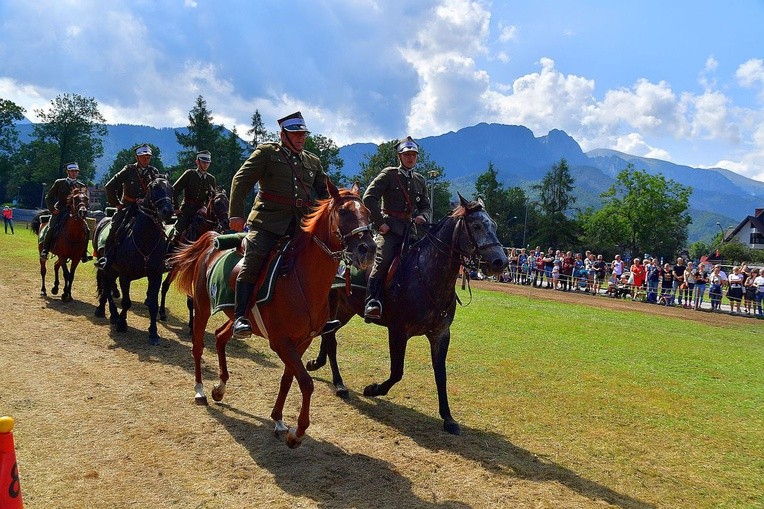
[(634, 144)]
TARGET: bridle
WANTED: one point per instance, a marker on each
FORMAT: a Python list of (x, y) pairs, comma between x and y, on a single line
[(341, 254), (471, 256)]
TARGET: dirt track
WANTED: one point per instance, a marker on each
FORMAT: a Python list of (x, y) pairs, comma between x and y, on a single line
[(108, 421)]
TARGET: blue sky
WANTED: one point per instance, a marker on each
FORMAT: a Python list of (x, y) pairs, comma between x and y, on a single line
[(676, 80)]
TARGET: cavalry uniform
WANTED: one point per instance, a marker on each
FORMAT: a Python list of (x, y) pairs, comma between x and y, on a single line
[(197, 188), (57, 202), (123, 191), (290, 183), (394, 197), (291, 180)]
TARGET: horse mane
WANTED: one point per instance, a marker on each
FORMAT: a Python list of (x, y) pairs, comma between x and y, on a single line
[(310, 221)]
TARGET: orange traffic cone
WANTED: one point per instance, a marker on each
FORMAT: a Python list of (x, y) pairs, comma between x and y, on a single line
[(10, 487)]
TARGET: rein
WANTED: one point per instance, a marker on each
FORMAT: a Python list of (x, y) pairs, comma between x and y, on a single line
[(342, 253), (152, 212)]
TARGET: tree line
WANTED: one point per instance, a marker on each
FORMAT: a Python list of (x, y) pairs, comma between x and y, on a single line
[(641, 213)]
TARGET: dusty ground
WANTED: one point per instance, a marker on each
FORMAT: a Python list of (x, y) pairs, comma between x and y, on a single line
[(106, 421)]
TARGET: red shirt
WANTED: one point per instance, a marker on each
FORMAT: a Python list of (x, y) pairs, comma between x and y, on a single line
[(639, 272)]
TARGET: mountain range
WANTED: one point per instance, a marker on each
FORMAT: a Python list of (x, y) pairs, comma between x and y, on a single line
[(521, 159)]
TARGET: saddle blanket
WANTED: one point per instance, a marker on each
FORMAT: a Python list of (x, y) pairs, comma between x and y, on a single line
[(220, 291)]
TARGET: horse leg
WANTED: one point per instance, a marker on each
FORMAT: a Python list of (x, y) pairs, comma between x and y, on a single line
[(222, 335), (69, 279), (439, 342), (165, 287), (397, 341), (190, 306), (277, 414), (54, 290), (124, 284), (152, 297), (292, 358), (100, 310), (198, 350), (328, 350), (43, 271)]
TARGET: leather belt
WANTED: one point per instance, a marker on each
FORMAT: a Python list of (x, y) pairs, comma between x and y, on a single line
[(297, 202), (400, 215)]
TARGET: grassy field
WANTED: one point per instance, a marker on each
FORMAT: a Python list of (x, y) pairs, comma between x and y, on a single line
[(641, 410)]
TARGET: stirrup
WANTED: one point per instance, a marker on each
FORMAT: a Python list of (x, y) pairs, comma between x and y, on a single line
[(44, 254), (101, 262), (86, 258), (373, 310), (242, 328)]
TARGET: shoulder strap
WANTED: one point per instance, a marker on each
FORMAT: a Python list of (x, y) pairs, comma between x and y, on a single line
[(403, 190)]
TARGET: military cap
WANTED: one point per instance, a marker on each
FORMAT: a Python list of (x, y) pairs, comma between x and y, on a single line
[(204, 155), (143, 150), (407, 145), (293, 123), (73, 166)]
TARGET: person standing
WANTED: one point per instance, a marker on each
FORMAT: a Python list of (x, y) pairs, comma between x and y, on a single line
[(653, 277), (678, 273), (8, 219), (126, 190), (715, 282), (291, 180), (701, 280), (57, 202), (735, 291), (759, 283), (197, 185), (397, 201), (638, 273)]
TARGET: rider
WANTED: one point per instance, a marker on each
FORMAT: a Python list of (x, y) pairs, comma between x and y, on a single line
[(131, 182), (57, 203), (291, 180), (197, 186), (395, 198)]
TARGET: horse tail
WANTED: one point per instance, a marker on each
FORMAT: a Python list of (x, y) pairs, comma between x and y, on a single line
[(186, 260), (36, 222)]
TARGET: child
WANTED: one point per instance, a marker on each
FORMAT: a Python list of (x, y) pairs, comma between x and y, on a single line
[(555, 274)]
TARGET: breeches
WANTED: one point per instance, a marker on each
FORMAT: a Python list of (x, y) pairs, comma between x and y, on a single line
[(387, 248), (257, 245)]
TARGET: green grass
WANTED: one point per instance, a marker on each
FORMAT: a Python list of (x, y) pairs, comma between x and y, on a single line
[(669, 410)]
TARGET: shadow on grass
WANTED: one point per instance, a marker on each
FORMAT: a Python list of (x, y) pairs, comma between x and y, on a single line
[(321, 471), (493, 451)]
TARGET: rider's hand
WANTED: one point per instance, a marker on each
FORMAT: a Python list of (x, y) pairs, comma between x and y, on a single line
[(384, 229), (236, 223), (420, 220)]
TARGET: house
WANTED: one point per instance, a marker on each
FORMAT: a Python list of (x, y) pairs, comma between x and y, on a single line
[(750, 231)]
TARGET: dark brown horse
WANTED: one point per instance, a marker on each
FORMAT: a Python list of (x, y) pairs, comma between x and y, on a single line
[(337, 228), (422, 299), (214, 217), (69, 244)]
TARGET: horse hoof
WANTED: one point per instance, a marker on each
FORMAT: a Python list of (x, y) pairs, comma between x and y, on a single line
[(218, 392), (371, 390), (121, 327), (154, 341), (291, 439), (54, 290), (43, 293), (341, 391), (201, 400), (452, 427), (163, 317), (312, 365)]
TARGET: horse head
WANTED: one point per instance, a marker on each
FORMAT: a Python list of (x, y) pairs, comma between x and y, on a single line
[(218, 210), (354, 226), (79, 202), (481, 239), (159, 198)]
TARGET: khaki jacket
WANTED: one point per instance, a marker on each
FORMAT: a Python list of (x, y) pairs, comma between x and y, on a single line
[(196, 189), (387, 202), (55, 199), (127, 185), (296, 187)]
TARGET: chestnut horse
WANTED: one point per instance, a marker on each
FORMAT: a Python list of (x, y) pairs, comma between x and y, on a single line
[(337, 228), (69, 244), (213, 217), (422, 298)]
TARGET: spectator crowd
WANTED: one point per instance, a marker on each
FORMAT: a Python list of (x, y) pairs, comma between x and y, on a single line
[(700, 286)]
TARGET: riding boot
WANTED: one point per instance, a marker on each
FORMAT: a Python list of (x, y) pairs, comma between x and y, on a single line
[(373, 310), (241, 326)]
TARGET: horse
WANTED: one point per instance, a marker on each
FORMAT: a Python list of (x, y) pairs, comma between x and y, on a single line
[(70, 242), (214, 217), (421, 299), (141, 253), (337, 228)]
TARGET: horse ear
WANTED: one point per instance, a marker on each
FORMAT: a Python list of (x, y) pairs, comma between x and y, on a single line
[(463, 202), (333, 192), (480, 202), (355, 189)]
